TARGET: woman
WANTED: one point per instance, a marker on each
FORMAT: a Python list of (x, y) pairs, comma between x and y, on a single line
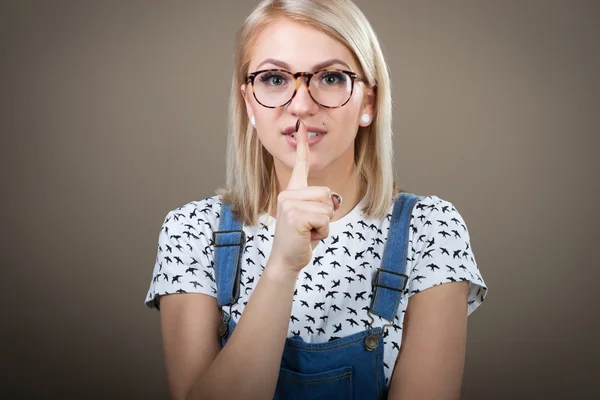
[(276, 287)]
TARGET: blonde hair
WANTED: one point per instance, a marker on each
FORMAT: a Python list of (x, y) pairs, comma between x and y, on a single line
[(251, 184)]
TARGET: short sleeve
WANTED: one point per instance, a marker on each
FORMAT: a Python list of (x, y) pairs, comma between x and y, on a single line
[(184, 260), (441, 250)]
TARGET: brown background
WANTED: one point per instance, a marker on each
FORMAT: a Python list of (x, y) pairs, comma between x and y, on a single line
[(113, 113)]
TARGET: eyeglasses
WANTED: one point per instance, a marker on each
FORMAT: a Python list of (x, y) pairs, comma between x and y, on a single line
[(331, 88)]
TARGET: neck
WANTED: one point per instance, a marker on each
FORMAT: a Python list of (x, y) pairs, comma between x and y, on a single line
[(344, 181)]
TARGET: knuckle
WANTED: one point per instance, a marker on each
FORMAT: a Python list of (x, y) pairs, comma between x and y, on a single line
[(327, 210), (283, 205), (281, 197), (325, 230), (325, 193)]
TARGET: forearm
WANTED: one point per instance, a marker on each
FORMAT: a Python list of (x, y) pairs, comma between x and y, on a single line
[(248, 366)]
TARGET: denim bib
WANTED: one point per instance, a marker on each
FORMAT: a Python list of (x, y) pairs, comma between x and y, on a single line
[(349, 367)]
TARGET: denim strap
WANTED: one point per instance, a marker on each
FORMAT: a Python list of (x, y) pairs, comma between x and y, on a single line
[(229, 243), (390, 280), (389, 283)]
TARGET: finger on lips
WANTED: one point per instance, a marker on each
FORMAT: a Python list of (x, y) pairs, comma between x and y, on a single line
[(299, 177)]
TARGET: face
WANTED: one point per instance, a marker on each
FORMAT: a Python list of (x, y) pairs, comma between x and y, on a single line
[(295, 47)]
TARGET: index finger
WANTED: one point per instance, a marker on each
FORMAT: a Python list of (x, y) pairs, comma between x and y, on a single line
[(299, 177)]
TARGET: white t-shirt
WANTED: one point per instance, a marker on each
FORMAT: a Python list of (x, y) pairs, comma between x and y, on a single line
[(334, 289)]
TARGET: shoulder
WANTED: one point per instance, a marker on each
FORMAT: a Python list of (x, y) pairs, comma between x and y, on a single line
[(184, 261), (428, 209), (437, 215), (202, 213), (431, 203), (441, 251)]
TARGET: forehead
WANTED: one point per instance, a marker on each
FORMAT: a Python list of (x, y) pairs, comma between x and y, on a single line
[(298, 45)]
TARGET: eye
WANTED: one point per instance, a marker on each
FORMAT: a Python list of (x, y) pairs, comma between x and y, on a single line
[(272, 78), (333, 78)]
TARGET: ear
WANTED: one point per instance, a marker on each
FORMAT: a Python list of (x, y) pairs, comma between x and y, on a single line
[(368, 105), (245, 95)]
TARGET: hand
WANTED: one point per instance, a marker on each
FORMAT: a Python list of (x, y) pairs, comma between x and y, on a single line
[(303, 212)]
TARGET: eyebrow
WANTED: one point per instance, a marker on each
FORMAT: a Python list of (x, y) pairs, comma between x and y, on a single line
[(317, 67)]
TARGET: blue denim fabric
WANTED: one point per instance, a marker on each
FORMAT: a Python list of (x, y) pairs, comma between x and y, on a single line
[(229, 242), (345, 368)]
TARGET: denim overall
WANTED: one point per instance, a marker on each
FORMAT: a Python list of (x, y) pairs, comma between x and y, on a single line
[(350, 367)]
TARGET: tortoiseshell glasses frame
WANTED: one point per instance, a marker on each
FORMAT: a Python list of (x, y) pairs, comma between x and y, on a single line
[(308, 75)]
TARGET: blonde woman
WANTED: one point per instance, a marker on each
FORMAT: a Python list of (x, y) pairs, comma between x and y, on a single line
[(311, 275)]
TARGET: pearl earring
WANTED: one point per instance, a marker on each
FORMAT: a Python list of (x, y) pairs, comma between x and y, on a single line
[(253, 121), (365, 118)]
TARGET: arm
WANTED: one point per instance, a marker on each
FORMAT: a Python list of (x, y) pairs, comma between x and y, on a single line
[(431, 360), (189, 324), (248, 366)]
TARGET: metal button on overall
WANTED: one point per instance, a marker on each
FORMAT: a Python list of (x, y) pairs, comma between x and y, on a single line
[(371, 342), (223, 329)]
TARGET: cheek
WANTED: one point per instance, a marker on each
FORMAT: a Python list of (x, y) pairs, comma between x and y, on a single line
[(350, 113), (346, 119), (268, 126), (267, 119)]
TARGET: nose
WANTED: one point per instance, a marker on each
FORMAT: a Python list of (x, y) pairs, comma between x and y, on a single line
[(302, 104)]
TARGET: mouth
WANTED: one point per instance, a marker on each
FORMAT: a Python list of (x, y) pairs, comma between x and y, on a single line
[(310, 134), (313, 138), (315, 135), (312, 130)]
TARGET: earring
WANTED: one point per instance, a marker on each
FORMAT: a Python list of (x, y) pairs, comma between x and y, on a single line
[(365, 118), (253, 121)]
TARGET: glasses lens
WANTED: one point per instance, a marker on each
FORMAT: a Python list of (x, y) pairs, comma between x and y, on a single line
[(274, 88), (329, 88)]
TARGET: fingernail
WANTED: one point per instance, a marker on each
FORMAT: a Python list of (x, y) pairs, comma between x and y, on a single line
[(338, 197), (298, 125)]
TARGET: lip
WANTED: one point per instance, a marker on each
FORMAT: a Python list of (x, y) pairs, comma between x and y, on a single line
[(311, 140), (292, 129)]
